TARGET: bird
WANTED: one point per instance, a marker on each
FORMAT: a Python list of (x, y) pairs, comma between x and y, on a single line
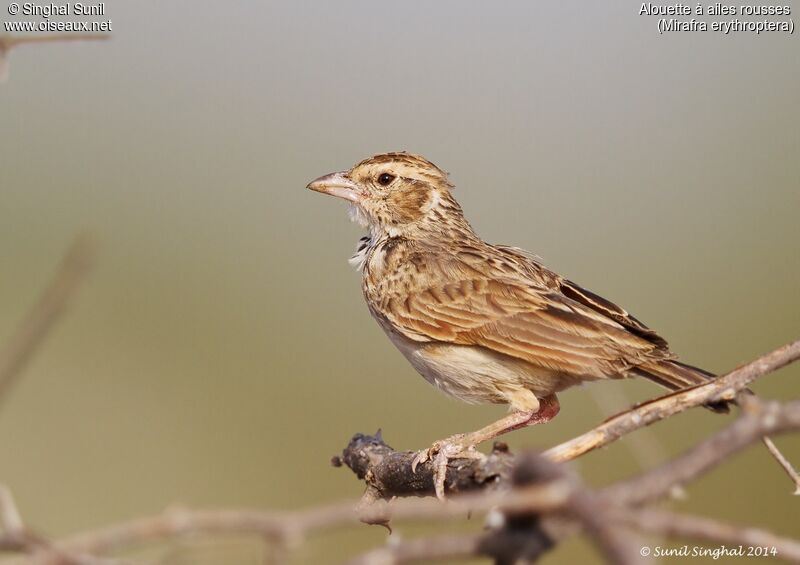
[(483, 323)]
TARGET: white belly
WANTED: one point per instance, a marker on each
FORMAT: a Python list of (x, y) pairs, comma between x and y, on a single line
[(477, 375)]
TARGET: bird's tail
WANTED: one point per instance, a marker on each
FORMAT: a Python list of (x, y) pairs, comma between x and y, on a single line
[(675, 375)]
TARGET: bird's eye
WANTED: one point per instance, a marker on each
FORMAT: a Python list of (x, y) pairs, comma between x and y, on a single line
[(385, 179)]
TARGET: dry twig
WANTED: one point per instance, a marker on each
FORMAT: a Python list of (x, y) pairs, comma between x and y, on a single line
[(725, 387), (41, 318), (673, 525), (534, 502), (555, 495)]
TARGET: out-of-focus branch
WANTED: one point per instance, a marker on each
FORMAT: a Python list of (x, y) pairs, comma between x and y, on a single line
[(785, 464), (585, 506), (423, 549), (15, 536), (519, 505), (759, 418), (8, 42), (290, 528), (681, 526), (40, 319), (614, 505), (531, 501), (554, 494), (645, 447)]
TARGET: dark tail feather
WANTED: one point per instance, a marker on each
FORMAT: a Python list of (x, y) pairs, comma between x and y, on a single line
[(675, 375)]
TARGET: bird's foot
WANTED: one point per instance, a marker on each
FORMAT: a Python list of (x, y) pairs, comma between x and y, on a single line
[(440, 453), (448, 444)]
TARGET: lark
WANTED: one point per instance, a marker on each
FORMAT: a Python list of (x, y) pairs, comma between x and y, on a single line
[(481, 322)]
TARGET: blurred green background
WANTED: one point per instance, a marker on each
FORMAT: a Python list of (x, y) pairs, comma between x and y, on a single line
[(220, 352)]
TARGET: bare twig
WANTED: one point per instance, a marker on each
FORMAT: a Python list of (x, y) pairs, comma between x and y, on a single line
[(11, 518), (645, 447), (601, 514), (437, 548), (291, 527), (722, 388), (9, 41), (33, 329), (557, 495), (589, 509), (16, 537), (759, 419), (670, 524), (785, 464), (388, 473), (605, 514), (659, 522)]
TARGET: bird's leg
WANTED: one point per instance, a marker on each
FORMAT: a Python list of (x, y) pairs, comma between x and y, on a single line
[(463, 444)]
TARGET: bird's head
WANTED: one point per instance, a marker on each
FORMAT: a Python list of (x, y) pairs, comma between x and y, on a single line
[(395, 194)]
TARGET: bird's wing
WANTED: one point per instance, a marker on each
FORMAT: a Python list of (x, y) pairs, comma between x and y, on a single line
[(586, 297), (518, 318), (608, 308)]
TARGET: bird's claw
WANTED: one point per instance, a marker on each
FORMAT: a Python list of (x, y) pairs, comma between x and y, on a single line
[(421, 456), (440, 453), (424, 455)]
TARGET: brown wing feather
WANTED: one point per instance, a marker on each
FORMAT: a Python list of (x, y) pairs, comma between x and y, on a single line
[(588, 298), (522, 320), (661, 367), (608, 308)]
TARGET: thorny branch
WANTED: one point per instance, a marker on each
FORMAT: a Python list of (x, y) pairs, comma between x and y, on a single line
[(531, 502)]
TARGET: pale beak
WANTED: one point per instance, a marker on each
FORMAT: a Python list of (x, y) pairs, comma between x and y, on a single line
[(337, 184)]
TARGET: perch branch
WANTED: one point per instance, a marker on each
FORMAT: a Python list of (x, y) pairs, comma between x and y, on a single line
[(759, 418), (721, 388), (387, 472), (490, 484), (617, 505), (290, 528)]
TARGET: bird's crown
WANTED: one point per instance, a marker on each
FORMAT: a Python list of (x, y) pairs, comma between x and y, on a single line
[(397, 194)]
